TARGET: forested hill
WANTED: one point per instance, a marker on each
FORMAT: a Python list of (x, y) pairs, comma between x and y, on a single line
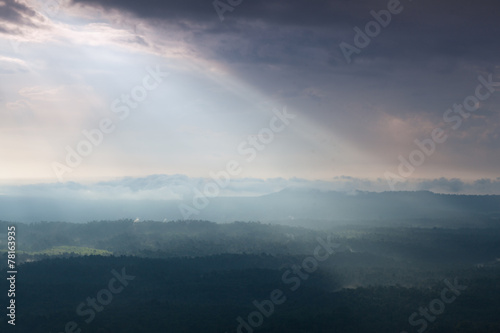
[(200, 276), (287, 206), (359, 244), (293, 204)]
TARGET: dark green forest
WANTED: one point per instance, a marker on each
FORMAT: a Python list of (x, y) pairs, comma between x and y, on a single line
[(200, 276)]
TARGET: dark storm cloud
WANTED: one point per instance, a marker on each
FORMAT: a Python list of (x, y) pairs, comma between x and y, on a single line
[(17, 13), (395, 90), (446, 28), (294, 12)]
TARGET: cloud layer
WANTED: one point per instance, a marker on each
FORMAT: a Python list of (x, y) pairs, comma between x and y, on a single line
[(66, 62), (181, 187)]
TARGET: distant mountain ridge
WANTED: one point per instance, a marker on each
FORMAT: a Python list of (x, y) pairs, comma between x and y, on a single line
[(286, 205), (332, 205)]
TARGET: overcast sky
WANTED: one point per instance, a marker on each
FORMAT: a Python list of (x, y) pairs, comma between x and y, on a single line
[(182, 87)]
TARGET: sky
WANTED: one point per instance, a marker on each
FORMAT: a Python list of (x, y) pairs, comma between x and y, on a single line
[(344, 95)]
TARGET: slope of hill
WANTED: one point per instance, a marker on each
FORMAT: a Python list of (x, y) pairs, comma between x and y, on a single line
[(286, 205)]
